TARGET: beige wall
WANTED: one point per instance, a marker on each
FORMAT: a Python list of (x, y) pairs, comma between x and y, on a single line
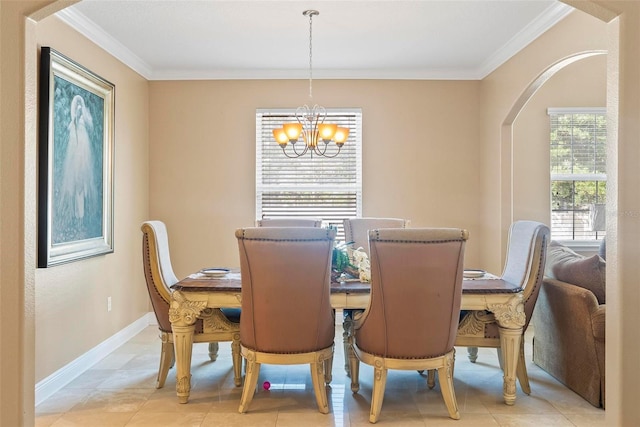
[(581, 84), (74, 295), (497, 93), (503, 94), (420, 156), (421, 148)]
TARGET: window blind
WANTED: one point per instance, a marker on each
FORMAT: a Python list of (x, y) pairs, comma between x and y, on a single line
[(578, 171), (309, 186)]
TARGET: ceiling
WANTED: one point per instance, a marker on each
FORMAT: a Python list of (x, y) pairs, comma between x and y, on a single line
[(269, 39)]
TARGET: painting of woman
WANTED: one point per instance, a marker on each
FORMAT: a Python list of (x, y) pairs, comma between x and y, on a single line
[(78, 168)]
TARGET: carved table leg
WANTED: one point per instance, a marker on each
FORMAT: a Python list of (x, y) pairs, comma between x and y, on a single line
[(183, 315), (347, 326), (354, 367), (510, 348), (213, 351), (183, 342), (473, 354), (511, 319)]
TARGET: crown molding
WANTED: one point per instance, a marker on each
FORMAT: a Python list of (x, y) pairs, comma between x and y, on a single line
[(552, 15), (96, 34)]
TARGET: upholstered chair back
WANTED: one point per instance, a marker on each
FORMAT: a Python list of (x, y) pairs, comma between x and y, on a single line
[(289, 222), (157, 270), (286, 288), (356, 230), (416, 288), (526, 255)]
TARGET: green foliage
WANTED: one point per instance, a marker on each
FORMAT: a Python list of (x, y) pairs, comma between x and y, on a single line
[(577, 195), (578, 144), (339, 260), (578, 151)]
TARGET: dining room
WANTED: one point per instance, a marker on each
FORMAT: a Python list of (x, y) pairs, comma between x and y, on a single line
[(185, 154)]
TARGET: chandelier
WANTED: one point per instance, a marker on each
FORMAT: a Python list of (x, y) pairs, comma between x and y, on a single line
[(316, 134)]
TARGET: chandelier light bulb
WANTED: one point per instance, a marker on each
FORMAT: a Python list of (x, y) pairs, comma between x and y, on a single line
[(293, 131)]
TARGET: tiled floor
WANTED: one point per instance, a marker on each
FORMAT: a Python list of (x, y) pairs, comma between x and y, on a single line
[(119, 391)]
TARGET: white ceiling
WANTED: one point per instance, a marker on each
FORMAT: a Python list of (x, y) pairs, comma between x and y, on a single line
[(256, 39)]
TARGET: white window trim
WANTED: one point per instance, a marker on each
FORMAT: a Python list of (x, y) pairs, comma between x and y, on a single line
[(576, 110), (579, 245), (356, 188)]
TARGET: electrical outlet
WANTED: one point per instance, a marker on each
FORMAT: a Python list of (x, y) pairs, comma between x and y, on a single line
[(108, 304)]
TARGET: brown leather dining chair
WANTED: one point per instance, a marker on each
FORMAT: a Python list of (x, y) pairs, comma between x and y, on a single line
[(356, 230), (159, 276), (279, 265), (289, 222), (526, 255), (412, 317)]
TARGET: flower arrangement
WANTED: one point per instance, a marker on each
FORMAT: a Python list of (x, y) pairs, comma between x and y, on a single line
[(353, 262), (361, 260)]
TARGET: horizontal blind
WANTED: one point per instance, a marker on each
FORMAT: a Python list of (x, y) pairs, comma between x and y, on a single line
[(578, 171), (578, 144), (309, 186)]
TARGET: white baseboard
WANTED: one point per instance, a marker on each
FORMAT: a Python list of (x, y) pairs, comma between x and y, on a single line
[(71, 371)]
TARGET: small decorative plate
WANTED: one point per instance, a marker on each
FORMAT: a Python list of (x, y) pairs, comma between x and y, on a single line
[(473, 274), (214, 272)]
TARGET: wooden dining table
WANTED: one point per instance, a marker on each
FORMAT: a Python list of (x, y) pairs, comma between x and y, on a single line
[(197, 293)]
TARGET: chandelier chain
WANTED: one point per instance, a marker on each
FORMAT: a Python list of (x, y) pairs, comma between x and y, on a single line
[(310, 56)]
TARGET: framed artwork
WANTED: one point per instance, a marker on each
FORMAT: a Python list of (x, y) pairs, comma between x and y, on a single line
[(75, 161)]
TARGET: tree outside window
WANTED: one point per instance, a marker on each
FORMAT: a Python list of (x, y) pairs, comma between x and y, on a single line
[(578, 173)]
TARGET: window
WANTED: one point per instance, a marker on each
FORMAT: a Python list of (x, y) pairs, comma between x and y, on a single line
[(329, 188), (578, 173)]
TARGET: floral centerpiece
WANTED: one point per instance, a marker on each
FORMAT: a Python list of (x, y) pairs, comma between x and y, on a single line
[(361, 260), (351, 262)]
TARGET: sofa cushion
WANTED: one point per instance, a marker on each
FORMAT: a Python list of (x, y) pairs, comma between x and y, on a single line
[(568, 266)]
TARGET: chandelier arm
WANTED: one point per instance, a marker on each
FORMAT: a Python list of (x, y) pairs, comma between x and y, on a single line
[(286, 154), (289, 156), (302, 153), (323, 152)]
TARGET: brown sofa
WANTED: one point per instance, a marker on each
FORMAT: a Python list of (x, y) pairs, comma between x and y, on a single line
[(569, 322)]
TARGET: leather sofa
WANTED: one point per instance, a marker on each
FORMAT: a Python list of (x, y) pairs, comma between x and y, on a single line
[(569, 322)]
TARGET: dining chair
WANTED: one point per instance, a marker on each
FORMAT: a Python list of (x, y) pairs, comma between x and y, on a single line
[(412, 317), (356, 229), (524, 265), (159, 276), (289, 222), (279, 265)]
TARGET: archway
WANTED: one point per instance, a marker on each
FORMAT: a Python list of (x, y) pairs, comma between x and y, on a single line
[(507, 132)]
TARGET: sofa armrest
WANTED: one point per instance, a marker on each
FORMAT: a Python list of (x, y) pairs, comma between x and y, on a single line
[(568, 338), (564, 307), (598, 322), (577, 296)]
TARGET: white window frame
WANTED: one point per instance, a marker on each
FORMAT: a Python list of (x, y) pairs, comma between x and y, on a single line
[(576, 244), (265, 144)]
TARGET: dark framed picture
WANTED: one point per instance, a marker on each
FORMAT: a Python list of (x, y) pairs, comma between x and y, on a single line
[(75, 161)]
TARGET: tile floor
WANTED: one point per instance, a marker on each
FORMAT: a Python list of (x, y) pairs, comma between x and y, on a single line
[(119, 391)]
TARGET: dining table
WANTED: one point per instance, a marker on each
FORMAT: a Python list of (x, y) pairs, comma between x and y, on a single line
[(198, 293)]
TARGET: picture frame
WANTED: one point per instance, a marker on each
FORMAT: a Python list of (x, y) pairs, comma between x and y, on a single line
[(75, 161)]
